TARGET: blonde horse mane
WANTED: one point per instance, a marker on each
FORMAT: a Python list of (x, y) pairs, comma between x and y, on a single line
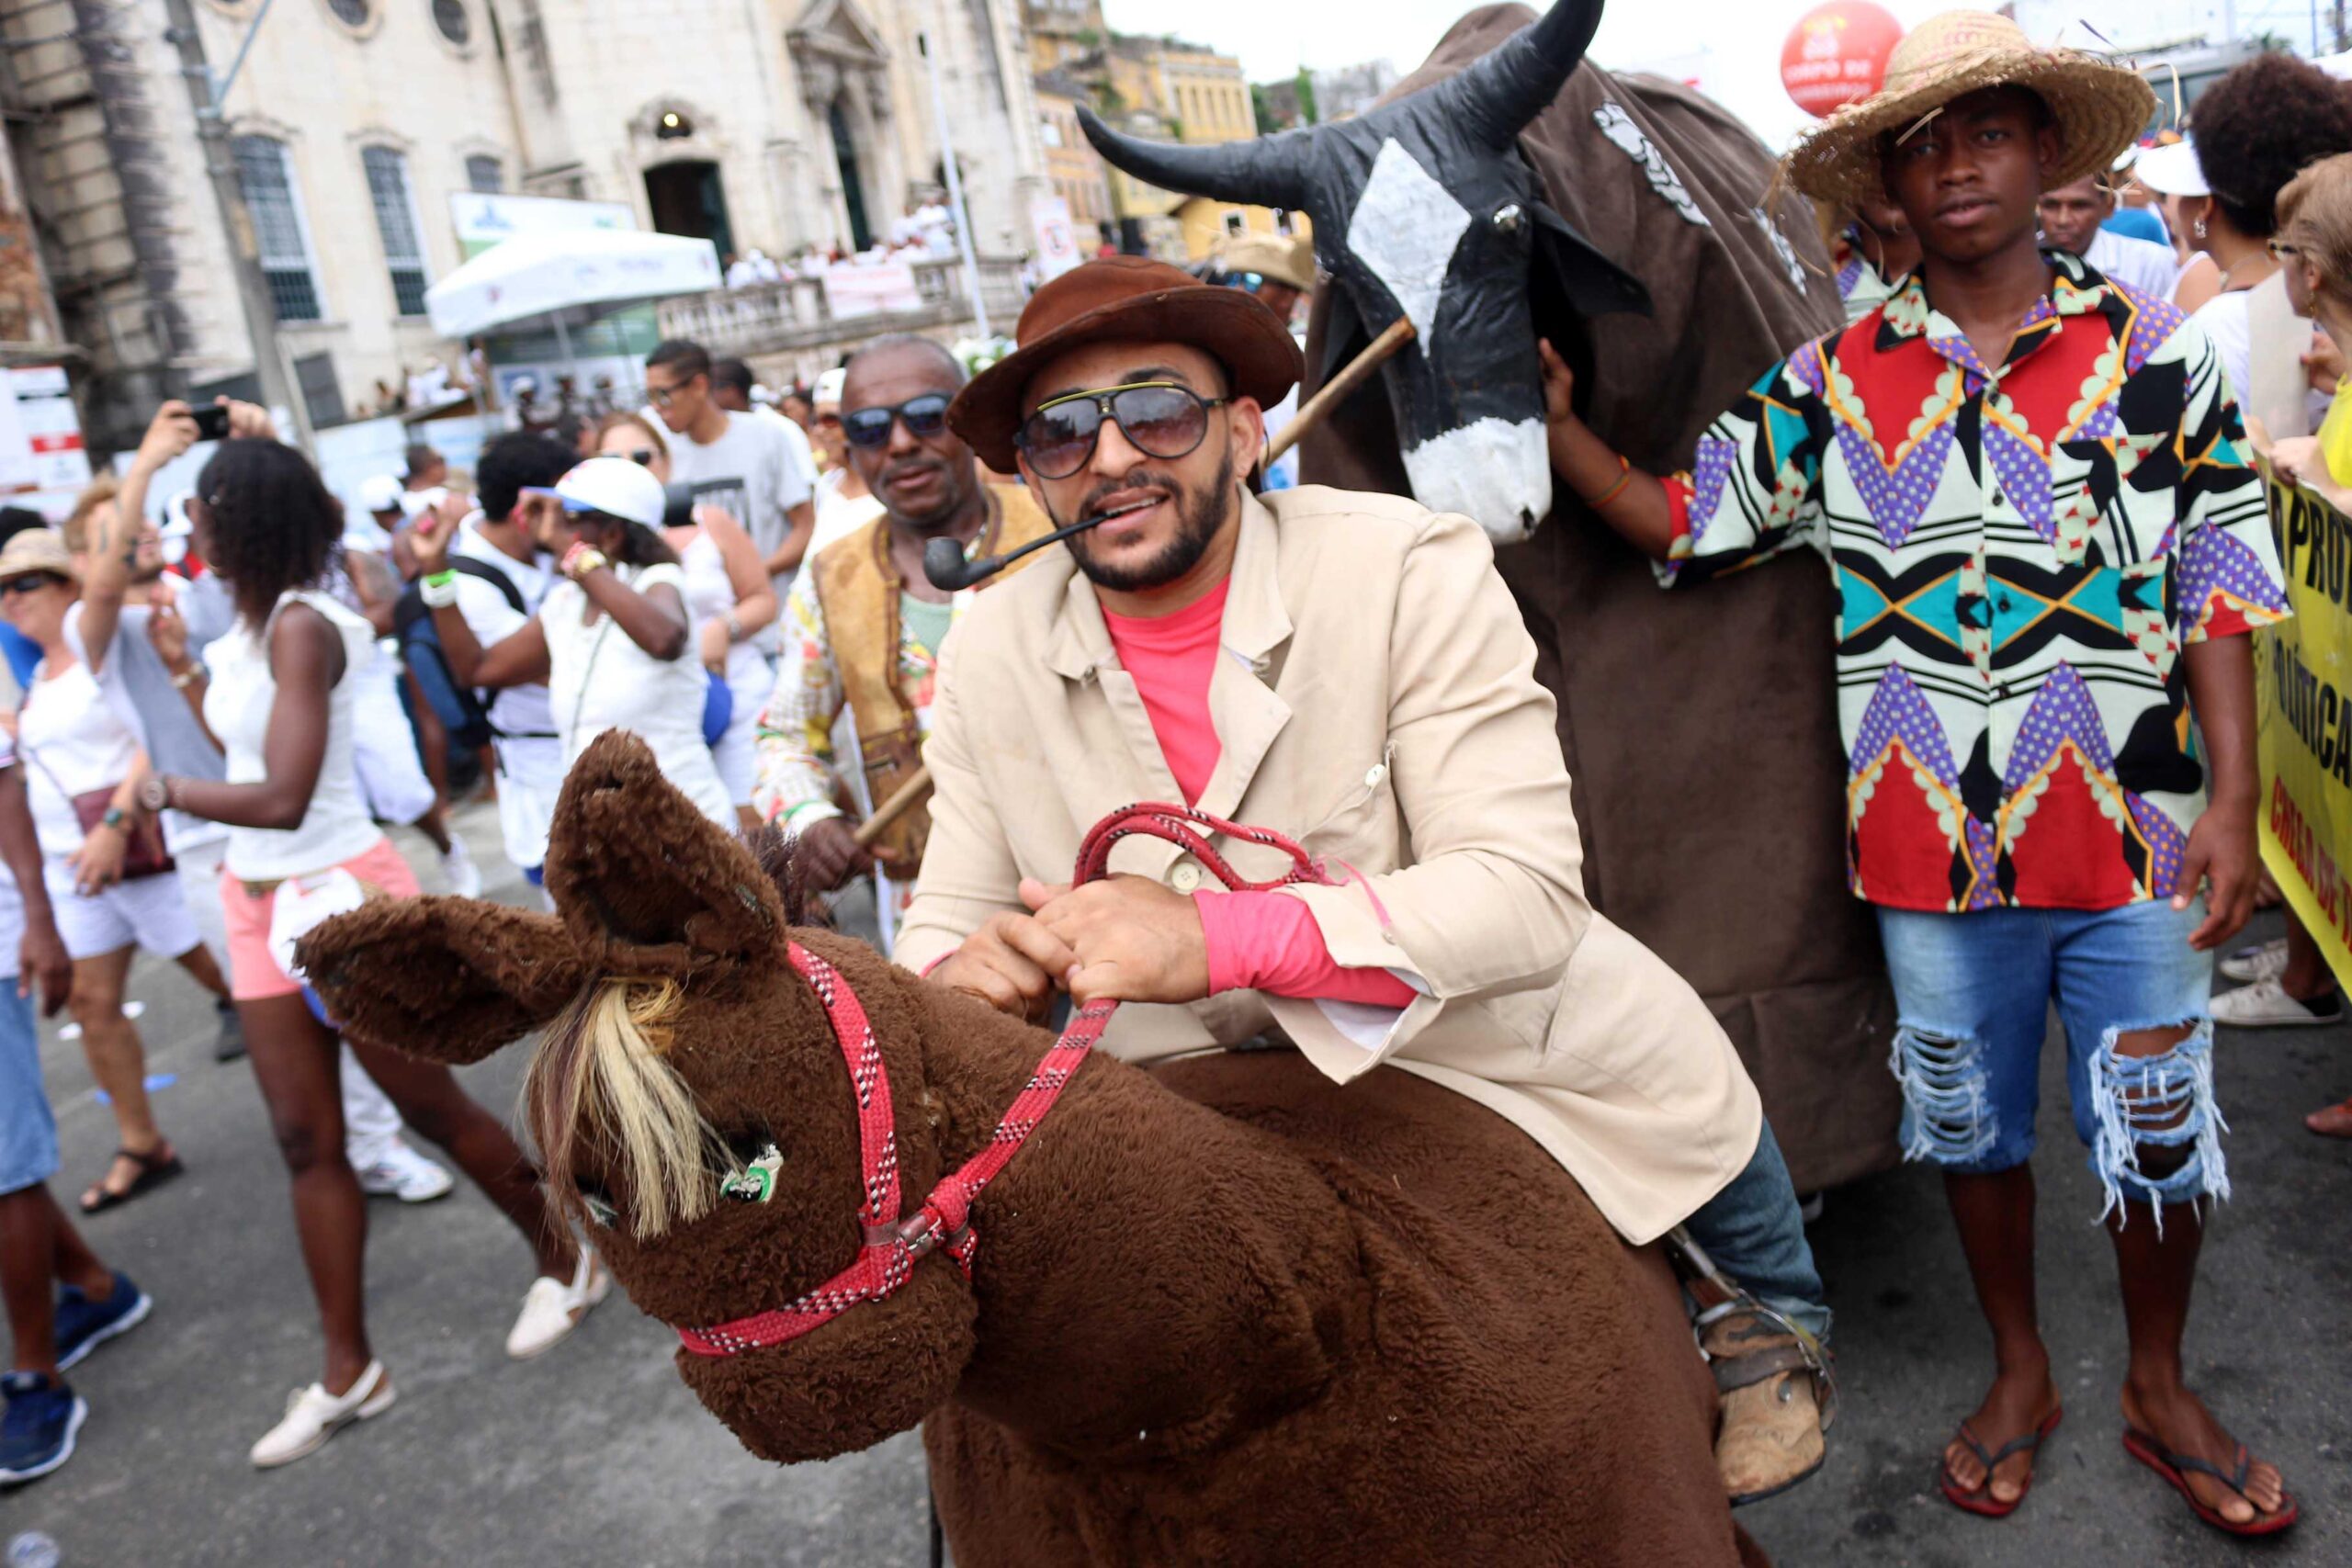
[(598, 1084)]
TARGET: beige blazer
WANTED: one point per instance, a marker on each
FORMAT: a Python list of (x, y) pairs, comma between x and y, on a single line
[(1377, 701)]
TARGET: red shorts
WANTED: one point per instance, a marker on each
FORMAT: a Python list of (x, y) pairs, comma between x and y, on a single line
[(253, 975)]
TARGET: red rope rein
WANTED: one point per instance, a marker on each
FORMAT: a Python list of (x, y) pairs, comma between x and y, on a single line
[(894, 1245)]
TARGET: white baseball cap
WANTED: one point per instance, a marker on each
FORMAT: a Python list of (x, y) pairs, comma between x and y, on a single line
[(2171, 170), (829, 387), (379, 492), (615, 486)]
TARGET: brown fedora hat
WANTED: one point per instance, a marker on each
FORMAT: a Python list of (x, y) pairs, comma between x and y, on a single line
[(1136, 299)]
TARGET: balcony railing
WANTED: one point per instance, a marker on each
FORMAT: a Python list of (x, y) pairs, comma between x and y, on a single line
[(797, 314)]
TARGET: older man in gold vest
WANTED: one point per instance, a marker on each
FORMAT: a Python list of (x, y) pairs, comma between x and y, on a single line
[(863, 626)]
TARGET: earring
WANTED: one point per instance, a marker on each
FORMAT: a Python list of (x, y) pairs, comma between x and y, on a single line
[(2201, 228)]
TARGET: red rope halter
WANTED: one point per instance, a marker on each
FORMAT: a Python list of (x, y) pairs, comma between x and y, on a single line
[(893, 1246)]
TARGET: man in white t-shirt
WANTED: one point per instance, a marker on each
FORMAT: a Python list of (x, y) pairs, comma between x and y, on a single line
[(529, 755), (2071, 219), (756, 469)]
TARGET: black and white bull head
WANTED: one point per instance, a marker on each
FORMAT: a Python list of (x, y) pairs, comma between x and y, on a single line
[(1423, 209)]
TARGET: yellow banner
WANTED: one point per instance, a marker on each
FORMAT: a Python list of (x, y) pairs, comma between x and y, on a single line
[(2303, 685)]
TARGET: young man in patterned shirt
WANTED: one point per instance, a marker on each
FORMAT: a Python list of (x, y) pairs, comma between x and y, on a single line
[(2031, 488)]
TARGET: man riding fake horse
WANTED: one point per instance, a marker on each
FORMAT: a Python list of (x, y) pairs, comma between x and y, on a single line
[(1347, 669)]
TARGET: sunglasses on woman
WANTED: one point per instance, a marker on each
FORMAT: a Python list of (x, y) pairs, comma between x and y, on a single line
[(32, 582), (925, 415), (1160, 419)]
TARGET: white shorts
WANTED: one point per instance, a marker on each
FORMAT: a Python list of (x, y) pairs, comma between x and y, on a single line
[(151, 912), (530, 778), (383, 750), (737, 753)]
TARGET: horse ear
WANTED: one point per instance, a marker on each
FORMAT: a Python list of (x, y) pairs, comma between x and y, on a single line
[(644, 882), (449, 980)]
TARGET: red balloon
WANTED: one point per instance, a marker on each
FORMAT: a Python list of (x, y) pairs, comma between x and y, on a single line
[(1837, 54)]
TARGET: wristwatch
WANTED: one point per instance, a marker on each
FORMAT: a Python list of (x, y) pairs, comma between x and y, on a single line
[(154, 794)]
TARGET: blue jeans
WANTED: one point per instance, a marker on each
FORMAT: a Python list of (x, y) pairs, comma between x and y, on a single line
[(1974, 994), (1755, 1234), (28, 1133)]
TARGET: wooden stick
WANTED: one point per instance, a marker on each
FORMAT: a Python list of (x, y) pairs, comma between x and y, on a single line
[(902, 799), (1335, 391)]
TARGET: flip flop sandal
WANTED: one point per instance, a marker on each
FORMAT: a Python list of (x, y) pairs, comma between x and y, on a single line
[(1981, 1501), (2143, 1447), (152, 1173)]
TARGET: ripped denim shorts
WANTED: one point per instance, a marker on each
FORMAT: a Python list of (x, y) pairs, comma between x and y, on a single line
[(1973, 992)]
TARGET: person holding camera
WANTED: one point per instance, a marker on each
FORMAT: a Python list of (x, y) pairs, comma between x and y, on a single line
[(611, 641), (108, 877)]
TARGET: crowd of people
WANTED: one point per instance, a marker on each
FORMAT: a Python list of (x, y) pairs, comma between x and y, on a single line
[(191, 766)]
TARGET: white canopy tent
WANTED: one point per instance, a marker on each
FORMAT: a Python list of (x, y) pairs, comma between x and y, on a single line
[(568, 278)]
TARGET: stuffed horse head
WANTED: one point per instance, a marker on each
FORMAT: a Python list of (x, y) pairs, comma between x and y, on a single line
[(1423, 209), (690, 1104)]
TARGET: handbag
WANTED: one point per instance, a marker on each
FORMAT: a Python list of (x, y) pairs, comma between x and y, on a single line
[(143, 855)]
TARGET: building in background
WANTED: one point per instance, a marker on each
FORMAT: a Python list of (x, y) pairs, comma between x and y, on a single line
[(1164, 88), (1079, 177), (778, 125)]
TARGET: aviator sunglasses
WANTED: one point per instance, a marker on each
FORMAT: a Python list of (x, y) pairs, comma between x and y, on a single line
[(1160, 419), (925, 415)]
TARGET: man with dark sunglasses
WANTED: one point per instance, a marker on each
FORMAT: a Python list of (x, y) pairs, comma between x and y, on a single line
[(862, 627), (1346, 670)]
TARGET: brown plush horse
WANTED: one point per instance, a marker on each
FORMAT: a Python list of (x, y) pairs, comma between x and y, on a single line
[(1225, 1312)]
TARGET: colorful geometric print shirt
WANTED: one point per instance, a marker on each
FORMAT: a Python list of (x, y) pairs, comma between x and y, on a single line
[(2020, 553)]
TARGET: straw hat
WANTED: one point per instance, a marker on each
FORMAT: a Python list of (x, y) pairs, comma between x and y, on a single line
[(37, 549), (2100, 108)]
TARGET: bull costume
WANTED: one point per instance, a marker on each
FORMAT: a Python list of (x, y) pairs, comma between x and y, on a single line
[(1366, 690), (1508, 191)]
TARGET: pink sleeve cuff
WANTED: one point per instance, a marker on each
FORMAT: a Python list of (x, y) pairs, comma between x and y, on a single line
[(1263, 941)]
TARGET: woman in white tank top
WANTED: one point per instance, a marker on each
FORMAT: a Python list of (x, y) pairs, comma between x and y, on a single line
[(279, 699), (611, 641), (731, 600)]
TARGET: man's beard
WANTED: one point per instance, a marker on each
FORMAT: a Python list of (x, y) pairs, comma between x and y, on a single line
[(1198, 518)]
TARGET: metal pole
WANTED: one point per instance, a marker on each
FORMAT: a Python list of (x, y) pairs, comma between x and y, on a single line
[(277, 388), (954, 188)]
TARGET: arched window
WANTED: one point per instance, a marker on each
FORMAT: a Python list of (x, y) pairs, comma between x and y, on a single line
[(267, 176), (484, 174), (457, 23)]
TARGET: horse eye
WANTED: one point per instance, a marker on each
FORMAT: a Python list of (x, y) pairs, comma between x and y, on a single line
[(1509, 218), (599, 1205)]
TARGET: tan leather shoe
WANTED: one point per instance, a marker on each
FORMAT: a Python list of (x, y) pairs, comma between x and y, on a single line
[(1770, 1435)]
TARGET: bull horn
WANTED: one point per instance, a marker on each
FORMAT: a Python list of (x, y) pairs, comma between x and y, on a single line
[(1498, 95), (1265, 171)]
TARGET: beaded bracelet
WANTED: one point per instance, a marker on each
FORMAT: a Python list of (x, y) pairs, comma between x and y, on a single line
[(1624, 477)]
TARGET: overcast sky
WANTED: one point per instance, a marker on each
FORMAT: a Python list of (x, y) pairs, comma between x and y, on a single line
[(1732, 47)]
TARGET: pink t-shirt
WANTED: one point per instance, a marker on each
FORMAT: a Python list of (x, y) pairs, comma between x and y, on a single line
[(1258, 941)]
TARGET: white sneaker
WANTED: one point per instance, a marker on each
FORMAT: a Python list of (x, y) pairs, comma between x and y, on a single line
[(312, 1415), (458, 865), (552, 1309), (406, 1175), (2263, 961), (2266, 1005)]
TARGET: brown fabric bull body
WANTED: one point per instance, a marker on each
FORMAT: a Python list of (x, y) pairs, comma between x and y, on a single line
[(1226, 1311), (1700, 727)]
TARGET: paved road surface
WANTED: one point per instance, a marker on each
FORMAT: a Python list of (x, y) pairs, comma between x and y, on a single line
[(597, 1455)]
